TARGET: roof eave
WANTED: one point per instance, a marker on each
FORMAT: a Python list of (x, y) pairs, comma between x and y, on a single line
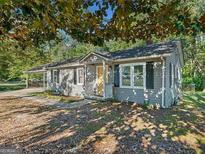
[(66, 66), (141, 58), (36, 71)]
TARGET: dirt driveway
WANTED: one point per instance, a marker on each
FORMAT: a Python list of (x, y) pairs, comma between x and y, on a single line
[(20, 93), (101, 127)]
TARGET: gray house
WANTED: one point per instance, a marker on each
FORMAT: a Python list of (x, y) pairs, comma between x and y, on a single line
[(149, 74)]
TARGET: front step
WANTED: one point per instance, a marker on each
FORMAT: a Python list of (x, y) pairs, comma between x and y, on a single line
[(98, 98)]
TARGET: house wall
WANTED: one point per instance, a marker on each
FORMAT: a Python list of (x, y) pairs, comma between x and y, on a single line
[(66, 84), (172, 93), (48, 80), (140, 95), (91, 83)]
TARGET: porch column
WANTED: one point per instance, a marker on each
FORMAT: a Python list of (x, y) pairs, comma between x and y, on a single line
[(44, 80), (27, 78), (104, 79), (163, 82), (85, 72)]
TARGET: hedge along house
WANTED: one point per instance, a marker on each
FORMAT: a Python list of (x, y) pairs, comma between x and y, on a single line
[(149, 74)]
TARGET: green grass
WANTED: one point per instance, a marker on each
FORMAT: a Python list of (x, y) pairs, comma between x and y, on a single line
[(11, 86), (50, 95), (194, 100)]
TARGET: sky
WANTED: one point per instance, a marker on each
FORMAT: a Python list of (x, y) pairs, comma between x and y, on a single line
[(109, 12)]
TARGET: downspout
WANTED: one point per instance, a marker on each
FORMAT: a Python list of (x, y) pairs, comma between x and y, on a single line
[(163, 80)]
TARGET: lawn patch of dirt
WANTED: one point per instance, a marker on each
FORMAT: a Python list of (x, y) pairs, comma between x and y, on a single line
[(102, 127), (60, 98)]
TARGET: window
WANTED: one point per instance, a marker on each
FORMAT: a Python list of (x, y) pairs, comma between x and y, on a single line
[(126, 76), (138, 76), (132, 75), (80, 76), (56, 76)]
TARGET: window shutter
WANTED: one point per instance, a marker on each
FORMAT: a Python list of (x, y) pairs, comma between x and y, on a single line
[(116, 76), (75, 76), (58, 75), (170, 75), (150, 75), (51, 76)]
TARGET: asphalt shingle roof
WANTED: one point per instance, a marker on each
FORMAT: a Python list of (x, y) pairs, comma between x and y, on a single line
[(149, 50), (55, 64)]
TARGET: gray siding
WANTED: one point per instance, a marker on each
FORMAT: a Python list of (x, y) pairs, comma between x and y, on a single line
[(66, 84), (90, 85), (172, 93), (140, 95), (48, 80)]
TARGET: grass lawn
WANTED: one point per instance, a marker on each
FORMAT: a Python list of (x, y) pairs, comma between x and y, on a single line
[(10, 86), (104, 127), (63, 99)]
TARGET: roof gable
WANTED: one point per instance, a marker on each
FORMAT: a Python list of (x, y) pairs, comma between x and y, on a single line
[(94, 57)]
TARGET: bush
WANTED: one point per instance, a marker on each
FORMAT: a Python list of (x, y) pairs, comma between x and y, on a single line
[(197, 80)]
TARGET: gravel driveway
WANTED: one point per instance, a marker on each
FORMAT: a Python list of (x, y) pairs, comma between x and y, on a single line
[(20, 93)]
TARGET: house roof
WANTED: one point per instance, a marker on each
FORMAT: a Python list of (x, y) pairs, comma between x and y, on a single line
[(149, 50), (54, 64), (146, 51)]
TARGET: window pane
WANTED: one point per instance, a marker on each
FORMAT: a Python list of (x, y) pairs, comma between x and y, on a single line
[(138, 76), (126, 76)]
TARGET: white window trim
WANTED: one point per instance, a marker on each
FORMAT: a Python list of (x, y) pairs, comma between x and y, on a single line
[(122, 86), (132, 75), (77, 75)]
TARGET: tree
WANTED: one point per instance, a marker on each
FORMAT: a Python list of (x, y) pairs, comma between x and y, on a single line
[(39, 21)]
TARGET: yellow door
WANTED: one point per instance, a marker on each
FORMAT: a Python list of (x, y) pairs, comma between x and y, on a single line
[(100, 80)]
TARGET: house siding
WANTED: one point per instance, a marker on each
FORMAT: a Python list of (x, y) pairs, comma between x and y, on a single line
[(153, 96), (171, 93), (48, 79), (66, 84), (90, 85)]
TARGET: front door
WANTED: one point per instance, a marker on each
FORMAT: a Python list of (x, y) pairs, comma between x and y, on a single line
[(100, 80)]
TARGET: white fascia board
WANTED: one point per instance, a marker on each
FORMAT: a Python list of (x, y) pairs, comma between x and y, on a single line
[(141, 58), (66, 66)]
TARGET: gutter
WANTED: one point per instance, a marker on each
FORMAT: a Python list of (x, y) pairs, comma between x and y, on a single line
[(163, 80), (142, 58), (37, 71)]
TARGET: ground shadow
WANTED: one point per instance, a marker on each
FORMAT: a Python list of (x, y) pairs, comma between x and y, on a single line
[(111, 127)]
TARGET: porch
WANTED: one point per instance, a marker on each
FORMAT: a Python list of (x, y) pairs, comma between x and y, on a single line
[(36, 79), (98, 78)]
